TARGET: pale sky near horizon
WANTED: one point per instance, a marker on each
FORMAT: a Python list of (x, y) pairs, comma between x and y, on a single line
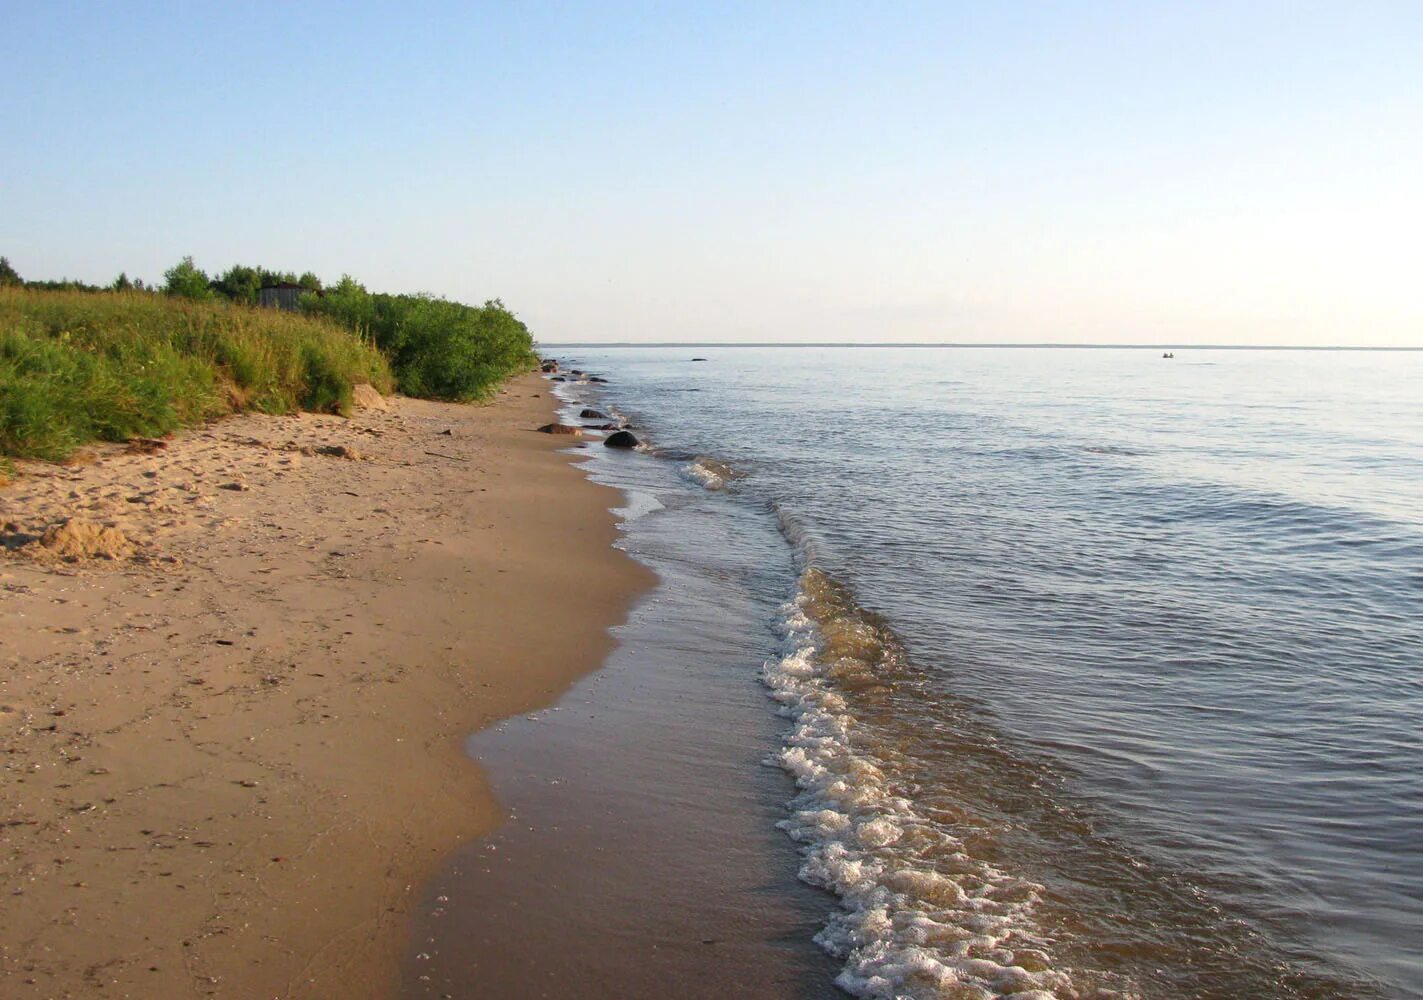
[(1078, 172)]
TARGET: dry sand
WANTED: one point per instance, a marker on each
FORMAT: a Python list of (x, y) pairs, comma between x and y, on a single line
[(232, 753)]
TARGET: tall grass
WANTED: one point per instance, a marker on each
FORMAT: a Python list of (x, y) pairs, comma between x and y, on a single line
[(80, 366)]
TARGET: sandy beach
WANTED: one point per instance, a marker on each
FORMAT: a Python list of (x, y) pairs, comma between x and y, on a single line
[(233, 754)]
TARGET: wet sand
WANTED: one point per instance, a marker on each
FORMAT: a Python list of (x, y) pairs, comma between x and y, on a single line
[(233, 756), (641, 857)]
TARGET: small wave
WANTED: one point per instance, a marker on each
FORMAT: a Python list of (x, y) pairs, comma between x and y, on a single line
[(1111, 449), (919, 916), (564, 391), (1273, 516), (711, 473), (639, 504), (1034, 453), (794, 532)]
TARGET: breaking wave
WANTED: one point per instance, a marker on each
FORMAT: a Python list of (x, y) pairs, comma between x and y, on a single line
[(711, 473), (920, 917)]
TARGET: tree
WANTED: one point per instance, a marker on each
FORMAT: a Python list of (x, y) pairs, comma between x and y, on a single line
[(239, 283), (310, 282), (348, 303), (121, 283), (8, 275), (187, 281), (267, 278)]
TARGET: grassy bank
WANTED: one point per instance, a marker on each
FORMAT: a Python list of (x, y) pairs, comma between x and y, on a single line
[(79, 366)]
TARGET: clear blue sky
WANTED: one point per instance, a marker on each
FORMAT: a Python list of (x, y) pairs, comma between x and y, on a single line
[(1224, 172)]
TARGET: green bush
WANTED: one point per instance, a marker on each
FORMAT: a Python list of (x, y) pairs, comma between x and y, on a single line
[(78, 366), (438, 349), (185, 280)]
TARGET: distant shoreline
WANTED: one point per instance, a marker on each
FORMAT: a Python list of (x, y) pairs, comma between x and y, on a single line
[(997, 346)]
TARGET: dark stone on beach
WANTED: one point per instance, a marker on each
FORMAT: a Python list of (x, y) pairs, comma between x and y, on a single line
[(562, 429), (601, 427), (593, 415), (548, 366), (699, 359), (558, 378), (146, 446), (621, 439), (595, 378)]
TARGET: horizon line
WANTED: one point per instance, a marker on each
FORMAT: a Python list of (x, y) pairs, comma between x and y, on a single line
[(992, 344)]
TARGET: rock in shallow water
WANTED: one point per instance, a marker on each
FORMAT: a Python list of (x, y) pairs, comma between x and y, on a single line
[(621, 439)]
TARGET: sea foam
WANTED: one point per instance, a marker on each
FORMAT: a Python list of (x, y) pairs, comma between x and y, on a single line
[(919, 917), (711, 473)]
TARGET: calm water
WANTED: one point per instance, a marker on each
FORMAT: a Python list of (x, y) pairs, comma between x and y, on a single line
[(1100, 674)]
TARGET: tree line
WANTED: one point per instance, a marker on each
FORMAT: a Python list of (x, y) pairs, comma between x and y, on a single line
[(239, 283)]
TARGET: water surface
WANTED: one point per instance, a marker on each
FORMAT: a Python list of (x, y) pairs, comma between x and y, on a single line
[(1102, 672)]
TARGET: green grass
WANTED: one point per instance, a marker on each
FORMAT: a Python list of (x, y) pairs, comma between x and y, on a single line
[(79, 366)]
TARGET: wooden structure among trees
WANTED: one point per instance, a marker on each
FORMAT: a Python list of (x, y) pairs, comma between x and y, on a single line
[(282, 295)]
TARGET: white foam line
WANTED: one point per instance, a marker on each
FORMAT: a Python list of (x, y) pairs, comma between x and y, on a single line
[(704, 475), (919, 918)]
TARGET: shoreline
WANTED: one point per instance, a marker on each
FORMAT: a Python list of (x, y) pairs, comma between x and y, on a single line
[(644, 857), (251, 735)]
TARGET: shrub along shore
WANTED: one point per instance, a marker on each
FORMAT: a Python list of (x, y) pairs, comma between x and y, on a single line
[(80, 363)]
